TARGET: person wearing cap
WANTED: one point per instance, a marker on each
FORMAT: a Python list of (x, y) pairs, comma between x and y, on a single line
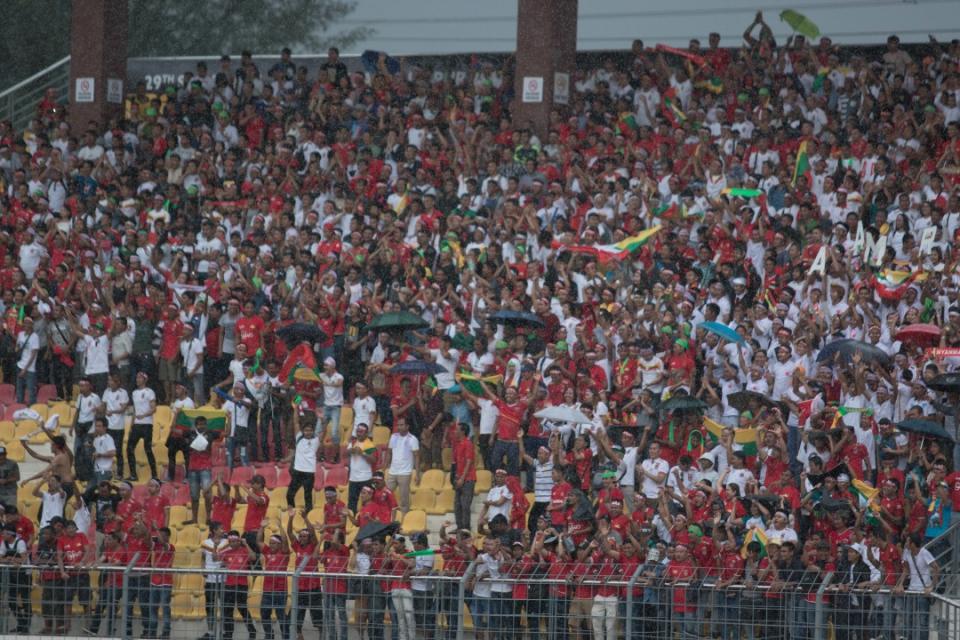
[(13, 552), (144, 409)]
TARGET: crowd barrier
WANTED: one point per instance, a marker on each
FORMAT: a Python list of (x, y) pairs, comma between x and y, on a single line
[(121, 602)]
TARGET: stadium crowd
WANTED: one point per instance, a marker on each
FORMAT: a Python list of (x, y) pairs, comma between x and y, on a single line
[(725, 279)]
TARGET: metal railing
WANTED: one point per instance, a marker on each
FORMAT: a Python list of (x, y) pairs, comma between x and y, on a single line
[(944, 550), (19, 103), (120, 601)]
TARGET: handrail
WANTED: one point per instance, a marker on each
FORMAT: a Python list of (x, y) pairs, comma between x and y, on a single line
[(35, 76)]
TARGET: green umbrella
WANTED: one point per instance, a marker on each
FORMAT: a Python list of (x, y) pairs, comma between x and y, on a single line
[(800, 23), (397, 321)]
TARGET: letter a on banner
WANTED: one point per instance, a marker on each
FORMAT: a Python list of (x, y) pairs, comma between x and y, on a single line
[(859, 241), (819, 265), (926, 240)]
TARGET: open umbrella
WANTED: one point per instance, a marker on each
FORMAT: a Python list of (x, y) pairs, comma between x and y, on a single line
[(563, 414), (945, 382), (723, 331), (376, 529), (517, 319), (746, 400), (294, 334), (417, 368), (926, 428), (846, 348), (800, 23), (683, 402), (397, 321), (924, 335)]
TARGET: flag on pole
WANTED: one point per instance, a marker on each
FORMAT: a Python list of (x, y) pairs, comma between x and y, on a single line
[(671, 107), (616, 251), (627, 123), (300, 356), (802, 165)]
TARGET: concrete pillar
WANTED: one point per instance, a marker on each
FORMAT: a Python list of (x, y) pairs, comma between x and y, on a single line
[(546, 46), (98, 62)]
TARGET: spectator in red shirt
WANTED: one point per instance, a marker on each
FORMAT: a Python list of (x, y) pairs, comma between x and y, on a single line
[(168, 366), (464, 474), (306, 549), (250, 328), (161, 585), (275, 555), (238, 556), (257, 501), (115, 555), (156, 507)]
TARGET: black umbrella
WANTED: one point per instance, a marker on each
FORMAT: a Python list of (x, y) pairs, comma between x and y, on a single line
[(927, 428), (846, 348), (745, 400), (683, 402), (294, 334), (397, 321), (945, 382), (517, 319), (377, 529), (417, 368), (818, 478)]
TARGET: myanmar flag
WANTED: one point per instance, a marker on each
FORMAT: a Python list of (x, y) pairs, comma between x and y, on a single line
[(300, 356), (616, 251), (802, 165), (671, 107), (865, 493), (747, 438), (402, 203), (890, 285), (186, 419), (754, 535), (474, 383), (627, 123)]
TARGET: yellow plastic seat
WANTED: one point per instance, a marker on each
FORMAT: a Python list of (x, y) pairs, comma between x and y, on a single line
[(182, 606), (15, 451), (443, 504), (188, 582), (381, 436), (432, 479), (484, 481), (163, 416), (446, 456), (188, 538), (414, 521), (187, 559), (42, 409), (239, 516), (160, 452), (7, 431), (423, 499)]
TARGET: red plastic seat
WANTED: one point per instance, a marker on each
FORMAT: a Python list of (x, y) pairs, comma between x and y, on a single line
[(336, 475), (46, 393), (8, 394), (269, 473), (181, 494), (241, 475), (320, 478)]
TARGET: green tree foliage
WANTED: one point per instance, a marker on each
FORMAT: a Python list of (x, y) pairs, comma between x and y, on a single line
[(35, 33)]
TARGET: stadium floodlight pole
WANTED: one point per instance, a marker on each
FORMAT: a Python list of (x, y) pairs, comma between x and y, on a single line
[(546, 59), (125, 597), (98, 62)]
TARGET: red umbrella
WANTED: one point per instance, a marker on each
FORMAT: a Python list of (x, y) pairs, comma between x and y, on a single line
[(924, 335)]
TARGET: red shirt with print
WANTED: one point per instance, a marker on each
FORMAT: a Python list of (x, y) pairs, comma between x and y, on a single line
[(275, 561), (250, 332), (163, 555), (236, 559)]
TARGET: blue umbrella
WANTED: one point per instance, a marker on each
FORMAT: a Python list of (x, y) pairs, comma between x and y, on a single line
[(417, 368), (723, 331)]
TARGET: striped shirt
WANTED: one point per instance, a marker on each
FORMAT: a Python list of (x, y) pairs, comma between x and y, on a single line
[(543, 481)]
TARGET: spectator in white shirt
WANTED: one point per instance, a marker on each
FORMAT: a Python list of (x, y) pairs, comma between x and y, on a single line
[(115, 401), (364, 409), (498, 500), (144, 408), (96, 352), (238, 424), (332, 382), (191, 351), (28, 347), (104, 452), (303, 463), (403, 462)]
